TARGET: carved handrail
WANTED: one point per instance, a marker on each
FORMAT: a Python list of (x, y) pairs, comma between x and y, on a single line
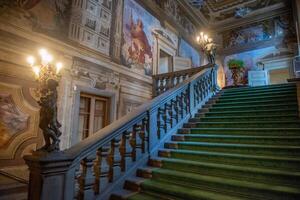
[(96, 165), (166, 81)]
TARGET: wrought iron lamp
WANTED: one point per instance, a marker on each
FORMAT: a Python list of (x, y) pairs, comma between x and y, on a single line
[(47, 76), (207, 46)]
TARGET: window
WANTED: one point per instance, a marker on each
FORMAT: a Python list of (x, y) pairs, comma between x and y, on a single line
[(93, 114)]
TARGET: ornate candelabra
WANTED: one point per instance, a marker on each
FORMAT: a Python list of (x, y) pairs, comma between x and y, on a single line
[(47, 76), (207, 46)]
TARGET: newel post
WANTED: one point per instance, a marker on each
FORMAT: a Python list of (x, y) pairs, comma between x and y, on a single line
[(50, 176), (215, 78)]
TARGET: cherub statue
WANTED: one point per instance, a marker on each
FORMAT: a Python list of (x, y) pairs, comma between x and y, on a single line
[(48, 116), (210, 51)]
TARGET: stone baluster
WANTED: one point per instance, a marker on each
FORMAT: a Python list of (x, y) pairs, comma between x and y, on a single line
[(161, 86), (196, 93), (169, 114), (138, 141), (166, 82), (115, 159), (199, 91), (176, 80), (180, 78), (155, 90), (146, 135), (126, 150), (103, 169), (202, 89), (170, 82), (161, 121), (183, 104), (175, 115), (180, 106), (186, 101), (87, 178), (209, 83), (206, 86), (78, 172), (165, 117)]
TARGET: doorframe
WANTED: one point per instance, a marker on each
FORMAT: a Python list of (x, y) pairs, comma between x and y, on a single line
[(162, 42), (75, 137)]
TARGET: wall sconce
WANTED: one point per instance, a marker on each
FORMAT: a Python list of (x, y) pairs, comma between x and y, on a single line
[(207, 46), (47, 76)]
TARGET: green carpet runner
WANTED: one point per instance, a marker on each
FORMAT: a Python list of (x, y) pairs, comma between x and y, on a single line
[(244, 144)]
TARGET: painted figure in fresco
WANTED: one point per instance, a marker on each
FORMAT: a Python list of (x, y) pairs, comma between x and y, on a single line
[(140, 46), (12, 120)]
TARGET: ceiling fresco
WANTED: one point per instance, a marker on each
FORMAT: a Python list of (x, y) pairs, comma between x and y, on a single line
[(219, 10)]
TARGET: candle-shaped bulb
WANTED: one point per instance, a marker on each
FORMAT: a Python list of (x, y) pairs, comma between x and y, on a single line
[(201, 33), (31, 60), (36, 71), (43, 52), (198, 39), (48, 58), (59, 65), (205, 37)]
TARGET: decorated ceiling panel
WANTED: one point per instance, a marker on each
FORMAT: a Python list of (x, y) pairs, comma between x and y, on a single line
[(277, 28), (218, 10)]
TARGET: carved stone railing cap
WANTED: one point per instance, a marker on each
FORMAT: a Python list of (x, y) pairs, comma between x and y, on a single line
[(182, 72)]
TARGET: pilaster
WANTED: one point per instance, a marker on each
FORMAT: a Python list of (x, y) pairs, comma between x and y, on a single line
[(117, 24)]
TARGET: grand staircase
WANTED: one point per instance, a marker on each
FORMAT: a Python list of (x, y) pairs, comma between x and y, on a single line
[(243, 144)]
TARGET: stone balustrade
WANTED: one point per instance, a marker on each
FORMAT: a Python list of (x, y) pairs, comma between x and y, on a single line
[(164, 82), (95, 166)]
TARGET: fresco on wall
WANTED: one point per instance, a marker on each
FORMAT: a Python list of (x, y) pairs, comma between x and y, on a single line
[(137, 48), (187, 51), (250, 59), (50, 17), (247, 35), (12, 121)]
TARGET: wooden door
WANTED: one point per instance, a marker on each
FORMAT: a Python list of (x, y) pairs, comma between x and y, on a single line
[(93, 114)]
